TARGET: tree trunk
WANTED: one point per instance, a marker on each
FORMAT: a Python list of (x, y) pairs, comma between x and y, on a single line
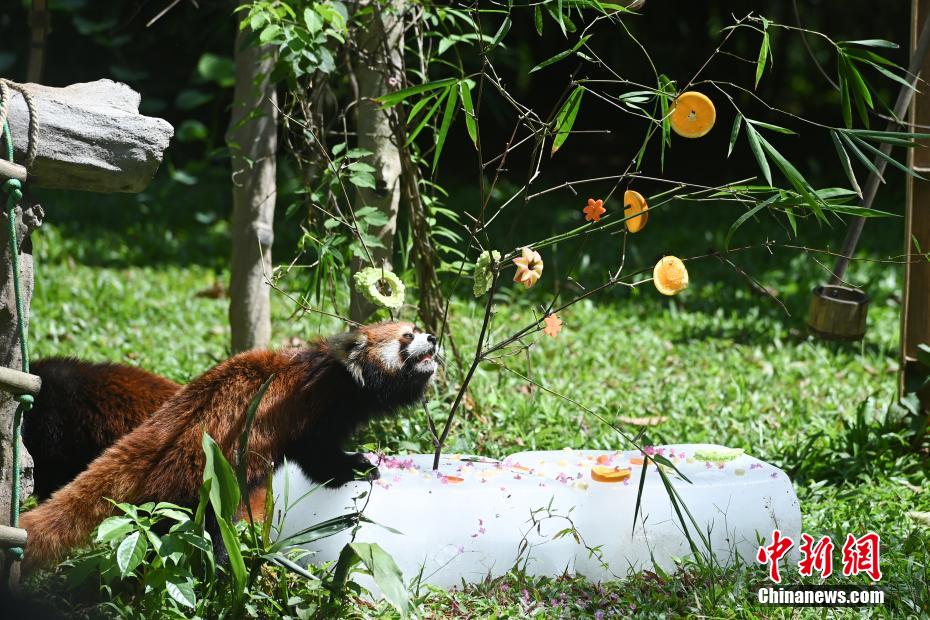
[(380, 66), (253, 141)]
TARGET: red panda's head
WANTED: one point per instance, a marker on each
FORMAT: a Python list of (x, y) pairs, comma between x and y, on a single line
[(391, 358)]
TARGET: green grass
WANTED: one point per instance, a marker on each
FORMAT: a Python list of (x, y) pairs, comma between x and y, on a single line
[(719, 363)]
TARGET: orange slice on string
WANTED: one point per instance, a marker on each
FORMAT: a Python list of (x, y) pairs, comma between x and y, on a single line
[(635, 205), (670, 276), (635, 460), (605, 473), (693, 114)]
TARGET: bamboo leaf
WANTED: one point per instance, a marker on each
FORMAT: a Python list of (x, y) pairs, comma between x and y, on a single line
[(744, 218), (860, 155), (763, 56), (872, 43), (561, 55), (448, 113), (844, 161), (396, 97), (795, 178), (887, 157), (845, 104), (753, 137), (565, 119), (734, 133), (501, 33), (538, 19), (426, 118), (471, 124), (776, 128)]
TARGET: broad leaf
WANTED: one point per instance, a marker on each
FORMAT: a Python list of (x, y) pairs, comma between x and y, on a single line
[(224, 488), (131, 552), (386, 575)]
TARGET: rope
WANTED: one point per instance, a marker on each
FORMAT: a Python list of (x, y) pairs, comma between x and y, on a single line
[(32, 146), (14, 192)]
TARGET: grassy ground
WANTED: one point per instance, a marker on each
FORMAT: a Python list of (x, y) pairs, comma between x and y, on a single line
[(718, 364)]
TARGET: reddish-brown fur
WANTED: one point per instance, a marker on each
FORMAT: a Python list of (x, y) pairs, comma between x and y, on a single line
[(311, 407), (81, 410)]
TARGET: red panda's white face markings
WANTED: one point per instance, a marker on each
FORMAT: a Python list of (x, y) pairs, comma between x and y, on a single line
[(390, 349)]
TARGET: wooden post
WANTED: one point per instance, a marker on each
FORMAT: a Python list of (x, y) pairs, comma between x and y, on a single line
[(915, 310), (91, 137)]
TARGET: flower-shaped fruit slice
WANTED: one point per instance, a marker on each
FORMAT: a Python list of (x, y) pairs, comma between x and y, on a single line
[(594, 210), (529, 267), (693, 114), (635, 205), (670, 275), (605, 473)]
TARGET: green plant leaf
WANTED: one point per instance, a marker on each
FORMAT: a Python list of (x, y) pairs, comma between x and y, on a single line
[(427, 117), (794, 176), (744, 218), (752, 136), (538, 19), (131, 552), (561, 55), (236, 563), (873, 43), (396, 97), (217, 69), (181, 589), (565, 119), (224, 488), (763, 52), (845, 103), (734, 133), (386, 575), (469, 109), (317, 531), (845, 162), (242, 461), (501, 33), (886, 156), (451, 101), (771, 127), (860, 155), (312, 20), (112, 528)]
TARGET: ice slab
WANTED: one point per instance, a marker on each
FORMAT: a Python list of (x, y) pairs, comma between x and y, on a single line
[(544, 512)]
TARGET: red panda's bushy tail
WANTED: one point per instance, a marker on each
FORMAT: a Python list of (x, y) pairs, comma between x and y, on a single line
[(67, 519)]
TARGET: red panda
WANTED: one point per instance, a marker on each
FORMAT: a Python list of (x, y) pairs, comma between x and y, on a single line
[(319, 396), (81, 410)]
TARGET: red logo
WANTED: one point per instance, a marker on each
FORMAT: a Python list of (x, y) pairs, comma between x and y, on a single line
[(860, 555), (773, 553), (817, 557)]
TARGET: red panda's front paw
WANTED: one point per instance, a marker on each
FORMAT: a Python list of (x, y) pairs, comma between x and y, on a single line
[(354, 467), (361, 465)]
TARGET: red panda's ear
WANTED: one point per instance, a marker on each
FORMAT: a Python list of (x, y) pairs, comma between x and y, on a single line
[(348, 348)]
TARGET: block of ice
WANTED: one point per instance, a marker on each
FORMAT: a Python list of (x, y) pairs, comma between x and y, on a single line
[(548, 512)]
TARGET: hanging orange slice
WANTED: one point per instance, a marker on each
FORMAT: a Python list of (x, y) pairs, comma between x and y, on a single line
[(604, 473), (635, 460), (693, 114), (635, 205), (670, 275)]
